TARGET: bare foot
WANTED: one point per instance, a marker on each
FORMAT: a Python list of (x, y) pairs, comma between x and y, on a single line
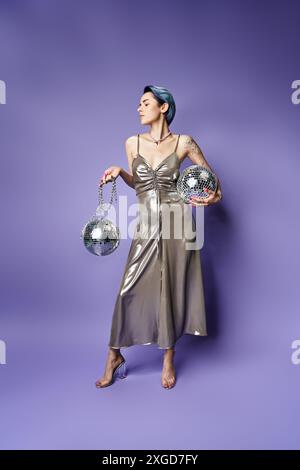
[(114, 358), (168, 377)]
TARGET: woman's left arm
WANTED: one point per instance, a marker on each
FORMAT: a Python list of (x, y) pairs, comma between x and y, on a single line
[(195, 154)]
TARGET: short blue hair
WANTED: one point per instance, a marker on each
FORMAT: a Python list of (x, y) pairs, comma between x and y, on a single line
[(163, 96)]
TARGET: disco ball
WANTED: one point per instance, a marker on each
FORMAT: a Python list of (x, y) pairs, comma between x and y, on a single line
[(100, 236), (194, 180)]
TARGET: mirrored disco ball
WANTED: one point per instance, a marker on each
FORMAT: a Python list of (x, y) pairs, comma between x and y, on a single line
[(194, 180), (100, 236)]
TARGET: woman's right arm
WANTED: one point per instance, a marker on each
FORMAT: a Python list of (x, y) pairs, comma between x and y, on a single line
[(127, 177), (117, 170)]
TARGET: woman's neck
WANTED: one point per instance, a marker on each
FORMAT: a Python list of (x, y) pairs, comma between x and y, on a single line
[(158, 130)]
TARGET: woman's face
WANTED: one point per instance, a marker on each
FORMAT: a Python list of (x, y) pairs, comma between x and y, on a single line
[(149, 109)]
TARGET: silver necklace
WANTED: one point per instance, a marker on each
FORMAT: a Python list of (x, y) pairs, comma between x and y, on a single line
[(159, 140)]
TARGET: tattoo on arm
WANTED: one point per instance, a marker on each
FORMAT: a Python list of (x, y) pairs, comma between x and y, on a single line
[(195, 153)]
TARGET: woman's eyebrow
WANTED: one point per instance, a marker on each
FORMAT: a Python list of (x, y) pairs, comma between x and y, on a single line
[(146, 99)]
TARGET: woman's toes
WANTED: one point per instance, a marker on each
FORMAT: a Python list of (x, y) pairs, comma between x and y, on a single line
[(171, 383), (168, 383), (100, 383)]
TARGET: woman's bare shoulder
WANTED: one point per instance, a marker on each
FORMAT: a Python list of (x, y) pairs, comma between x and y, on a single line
[(185, 138), (131, 145), (183, 146), (131, 139)]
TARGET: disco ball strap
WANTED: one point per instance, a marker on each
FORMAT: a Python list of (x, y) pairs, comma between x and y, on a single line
[(113, 195)]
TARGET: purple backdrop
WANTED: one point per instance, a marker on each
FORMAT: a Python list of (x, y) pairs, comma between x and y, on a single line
[(74, 73)]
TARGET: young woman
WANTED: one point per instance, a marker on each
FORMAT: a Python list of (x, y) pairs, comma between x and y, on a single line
[(161, 294)]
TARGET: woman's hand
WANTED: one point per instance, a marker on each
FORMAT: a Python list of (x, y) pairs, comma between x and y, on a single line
[(109, 174), (205, 201)]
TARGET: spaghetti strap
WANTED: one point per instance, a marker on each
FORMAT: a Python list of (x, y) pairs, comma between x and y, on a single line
[(177, 143)]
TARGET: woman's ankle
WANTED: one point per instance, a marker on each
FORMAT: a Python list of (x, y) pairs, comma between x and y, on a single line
[(114, 352), (169, 353)]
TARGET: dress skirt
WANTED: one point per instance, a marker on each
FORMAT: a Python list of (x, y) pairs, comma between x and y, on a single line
[(161, 294)]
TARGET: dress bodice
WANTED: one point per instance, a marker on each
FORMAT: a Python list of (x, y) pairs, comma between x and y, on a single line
[(162, 178)]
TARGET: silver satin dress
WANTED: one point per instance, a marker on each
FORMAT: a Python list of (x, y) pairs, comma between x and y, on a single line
[(161, 295)]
